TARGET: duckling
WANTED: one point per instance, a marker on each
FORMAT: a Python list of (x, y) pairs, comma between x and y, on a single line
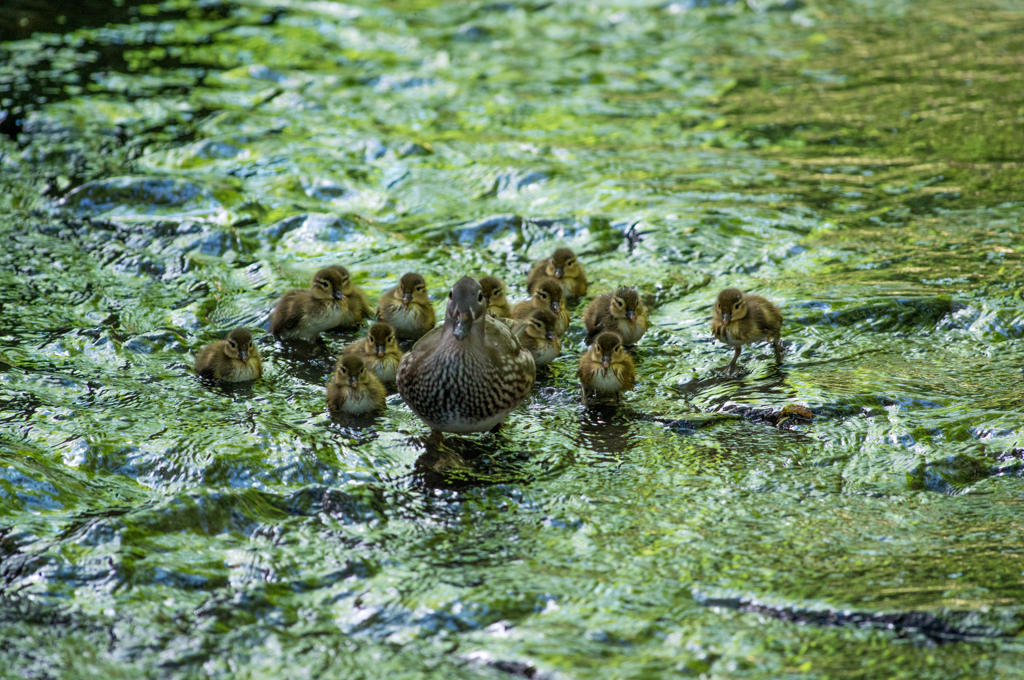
[(622, 312), (304, 314), (358, 308), (547, 294), (407, 308), (494, 295), (353, 389), (566, 269), (744, 319), (233, 359), (379, 351), (605, 368), (537, 334), (467, 375)]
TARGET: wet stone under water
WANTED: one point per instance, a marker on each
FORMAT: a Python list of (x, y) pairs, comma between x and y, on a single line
[(168, 170)]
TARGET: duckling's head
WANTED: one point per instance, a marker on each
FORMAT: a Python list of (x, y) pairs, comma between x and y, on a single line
[(625, 303), (381, 337), (548, 293), (563, 264), (730, 305), (607, 349), (239, 344), (494, 290), (350, 370), (466, 305), (413, 289), (346, 279), (541, 323), (328, 284)]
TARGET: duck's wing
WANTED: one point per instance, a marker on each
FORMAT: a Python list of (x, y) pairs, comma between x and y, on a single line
[(423, 348), (499, 337)]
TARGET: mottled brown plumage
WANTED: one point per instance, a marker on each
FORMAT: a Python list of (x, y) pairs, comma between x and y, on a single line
[(564, 267), (605, 368), (304, 314), (358, 309), (547, 294), (353, 389), (233, 359), (407, 308), (379, 351), (622, 312), (536, 333), (744, 319), (494, 294), (467, 375)]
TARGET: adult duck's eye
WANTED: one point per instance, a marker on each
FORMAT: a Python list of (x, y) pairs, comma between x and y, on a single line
[(479, 297), (449, 295)]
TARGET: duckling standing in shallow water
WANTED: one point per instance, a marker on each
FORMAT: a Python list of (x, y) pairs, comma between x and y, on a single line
[(536, 333), (467, 375), (407, 308), (358, 308), (494, 295), (547, 294), (379, 351), (622, 312), (353, 389), (744, 319), (304, 314), (233, 359), (564, 267), (606, 368)]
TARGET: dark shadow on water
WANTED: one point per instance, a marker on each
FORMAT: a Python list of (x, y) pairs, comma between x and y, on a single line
[(463, 462)]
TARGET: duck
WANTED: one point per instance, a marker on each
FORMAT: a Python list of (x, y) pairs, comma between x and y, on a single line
[(564, 267), (546, 294), (468, 374), (407, 308), (605, 368), (536, 333), (358, 309), (379, 351), (740, 320), (494, 294), (304, 314), (622, 312), (233, 359), (353, 389)]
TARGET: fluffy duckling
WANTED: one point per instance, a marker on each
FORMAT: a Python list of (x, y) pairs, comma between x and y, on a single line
[(622, 312), (494, 295), (564, 267), (467, 375), (353, 389), (379, 351), (536, 332), (407, 308), (547, 294), (233, 359), (358, 308), (304, 314), (605, 368), (744, 319)]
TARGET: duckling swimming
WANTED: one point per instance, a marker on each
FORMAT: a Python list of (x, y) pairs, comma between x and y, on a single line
[(304, 314), (233, 359), (744, 319), (358, 308), (407, 308), (353, 389), (494, 295), (379, 351), (536, 333), (564, 267), (547, 294), (622, 312), (467, 375), (606, 368)]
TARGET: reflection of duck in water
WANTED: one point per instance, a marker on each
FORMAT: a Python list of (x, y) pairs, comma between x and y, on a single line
[(467, 375), (407, 308), (605, 368), (744, 319), (233, 359)]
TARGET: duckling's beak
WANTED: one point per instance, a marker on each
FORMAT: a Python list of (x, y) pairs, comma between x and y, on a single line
[(725, 318), (243, 355), (606, 361), (631, 314), (550, 335), (380, 350), (406, 297), (555, 307), (463, 324), (559, 272), (338, 295), (353, 381)]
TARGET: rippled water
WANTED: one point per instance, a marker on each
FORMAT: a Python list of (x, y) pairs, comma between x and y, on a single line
[(169, 170)]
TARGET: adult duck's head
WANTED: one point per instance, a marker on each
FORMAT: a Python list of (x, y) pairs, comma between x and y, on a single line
[(466, 307)]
